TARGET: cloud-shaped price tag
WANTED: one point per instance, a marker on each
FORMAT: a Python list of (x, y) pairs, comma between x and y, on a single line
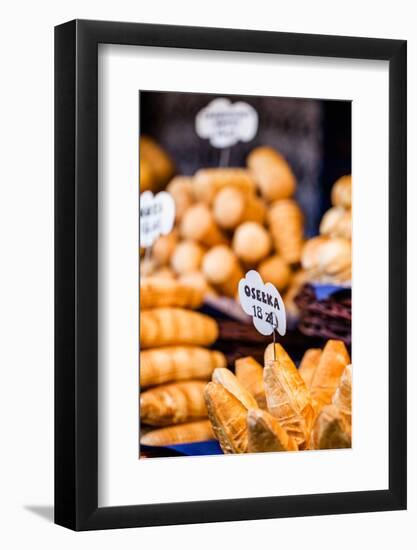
[(225, 123), (157, 215), (263, 303)]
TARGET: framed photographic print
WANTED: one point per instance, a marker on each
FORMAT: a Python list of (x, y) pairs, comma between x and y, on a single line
[(230, 247)]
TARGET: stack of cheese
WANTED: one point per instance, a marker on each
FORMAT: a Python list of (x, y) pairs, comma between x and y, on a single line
[(328, 257), (229, 220), (174, 363), (280, 408)]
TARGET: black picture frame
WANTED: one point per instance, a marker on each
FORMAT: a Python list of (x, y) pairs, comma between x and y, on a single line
[(76, 271)]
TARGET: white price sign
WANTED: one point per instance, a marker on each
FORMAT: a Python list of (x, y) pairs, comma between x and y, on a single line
[(225, 123), (157, 215), (263, 303)]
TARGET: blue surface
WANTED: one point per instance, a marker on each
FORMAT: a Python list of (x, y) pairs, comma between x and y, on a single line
[(325, 291), (211, 447), (199, 448)]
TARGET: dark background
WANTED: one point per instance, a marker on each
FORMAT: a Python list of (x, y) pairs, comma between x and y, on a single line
[(314, 136)]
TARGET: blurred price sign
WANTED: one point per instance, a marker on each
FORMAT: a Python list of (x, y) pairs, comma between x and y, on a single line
[(225, 123), (157, 215)]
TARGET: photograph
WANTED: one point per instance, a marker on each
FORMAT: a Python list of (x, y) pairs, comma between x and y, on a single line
[(211, 222), (245, 209)]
